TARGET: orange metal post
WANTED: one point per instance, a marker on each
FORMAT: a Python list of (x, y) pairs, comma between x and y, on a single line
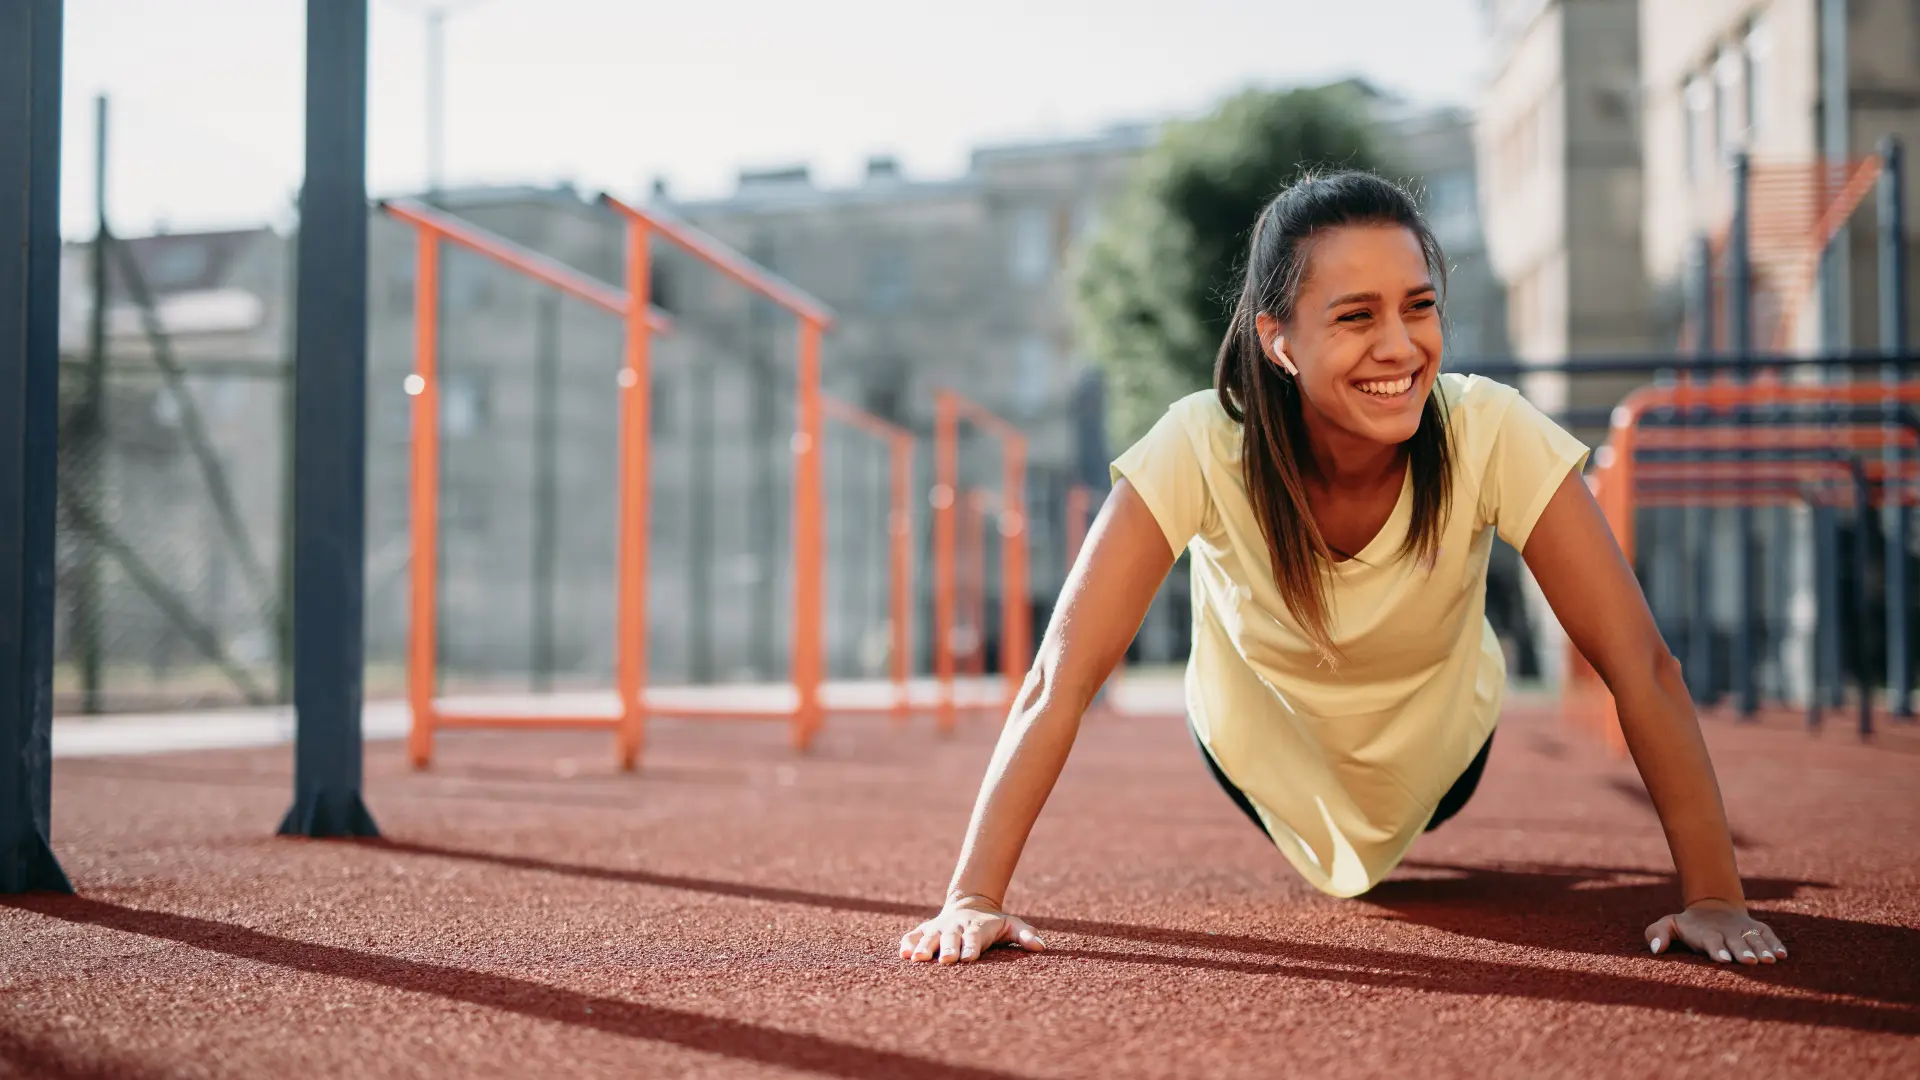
[(422, 646), (808, 559), (946, 456), (1016, 615), (630, 655), (900, 519)]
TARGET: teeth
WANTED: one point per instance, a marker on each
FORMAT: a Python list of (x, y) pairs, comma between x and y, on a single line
[(1388, 389)]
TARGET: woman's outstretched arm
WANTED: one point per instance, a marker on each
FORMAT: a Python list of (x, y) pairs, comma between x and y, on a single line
[(1106, 596), (1596, 597)]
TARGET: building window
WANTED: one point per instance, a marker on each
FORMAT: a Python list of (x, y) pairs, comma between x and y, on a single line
[(1698, 99), (1450, 207), (463, 405), (1729, 124), (889, 284), (400, 284), (467, 282), (1032, 245), (662, 409), (1086, 218), (1033, 375), (178, 265), (1757, 52), (886, 389), (661, 290)]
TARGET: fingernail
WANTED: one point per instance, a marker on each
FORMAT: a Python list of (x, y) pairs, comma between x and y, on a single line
[(1656, 944), (1724, 955)]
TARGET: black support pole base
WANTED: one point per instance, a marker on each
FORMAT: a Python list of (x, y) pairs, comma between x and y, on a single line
[(29, 866), (329, 815)]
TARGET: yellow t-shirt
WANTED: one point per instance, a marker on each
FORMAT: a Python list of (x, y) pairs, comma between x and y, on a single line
[(1346, 764)]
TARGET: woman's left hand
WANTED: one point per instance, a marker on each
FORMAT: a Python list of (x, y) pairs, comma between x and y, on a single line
[(1720, 930)]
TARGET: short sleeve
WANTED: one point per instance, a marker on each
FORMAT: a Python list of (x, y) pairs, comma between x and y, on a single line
[(1164, 468), (1531, 456)]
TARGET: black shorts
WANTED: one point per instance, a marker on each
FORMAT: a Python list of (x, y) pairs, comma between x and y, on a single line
[(1450, 803)]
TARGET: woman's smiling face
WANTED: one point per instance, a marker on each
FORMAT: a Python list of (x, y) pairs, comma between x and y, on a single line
[(1365, 336)]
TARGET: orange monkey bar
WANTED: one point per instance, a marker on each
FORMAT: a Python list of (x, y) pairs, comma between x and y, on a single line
[(899, 442), (1772, 483), (1613, 475), (950, 409), (807, 664), (432, 228), (1614, 480)]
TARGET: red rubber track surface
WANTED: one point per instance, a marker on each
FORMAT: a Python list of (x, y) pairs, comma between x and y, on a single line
[(734, 911)]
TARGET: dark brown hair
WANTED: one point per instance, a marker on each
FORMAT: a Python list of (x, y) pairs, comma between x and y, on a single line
[(1266, 400)]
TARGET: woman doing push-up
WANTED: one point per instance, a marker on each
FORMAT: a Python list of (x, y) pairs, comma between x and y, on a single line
[(1339, 497)]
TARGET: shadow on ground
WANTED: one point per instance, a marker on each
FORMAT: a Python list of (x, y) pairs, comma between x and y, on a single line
[(694, 1031), (1596, 910)]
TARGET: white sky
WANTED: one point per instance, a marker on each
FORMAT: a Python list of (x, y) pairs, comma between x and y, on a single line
[(207, 94)]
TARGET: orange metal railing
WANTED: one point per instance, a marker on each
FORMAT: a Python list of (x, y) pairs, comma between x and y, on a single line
[(950, 410), (899, 442), (432, 229), (1616, 478), (807, 663), (630, 632)]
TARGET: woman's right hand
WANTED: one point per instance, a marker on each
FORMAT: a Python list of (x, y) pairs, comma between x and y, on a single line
[(965, 929)]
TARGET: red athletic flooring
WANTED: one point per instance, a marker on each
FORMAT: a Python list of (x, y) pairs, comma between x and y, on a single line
[(734, 911)]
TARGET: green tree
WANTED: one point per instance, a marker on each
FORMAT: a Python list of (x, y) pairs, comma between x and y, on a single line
[(1155, 284)]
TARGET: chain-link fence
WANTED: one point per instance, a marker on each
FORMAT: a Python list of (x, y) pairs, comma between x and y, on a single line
[(172, 469)]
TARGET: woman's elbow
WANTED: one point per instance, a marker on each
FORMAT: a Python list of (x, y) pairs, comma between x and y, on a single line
[(1653, 668), (1057, 684), (1667, 672)]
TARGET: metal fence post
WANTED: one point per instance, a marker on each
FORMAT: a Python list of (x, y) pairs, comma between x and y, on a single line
[(1862, 617), (1893, 342), (1740, 309), (1698, 523)]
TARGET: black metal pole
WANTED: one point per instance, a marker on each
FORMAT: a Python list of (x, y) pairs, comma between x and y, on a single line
[(1827, 569), (546, 484), (330, 432), (1893, 341), (1740, 310), (1699, 522), (30, 44), (1817, 651), (1862, 613)]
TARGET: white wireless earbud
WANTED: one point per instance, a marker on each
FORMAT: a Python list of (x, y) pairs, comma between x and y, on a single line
[(1286, 362)]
